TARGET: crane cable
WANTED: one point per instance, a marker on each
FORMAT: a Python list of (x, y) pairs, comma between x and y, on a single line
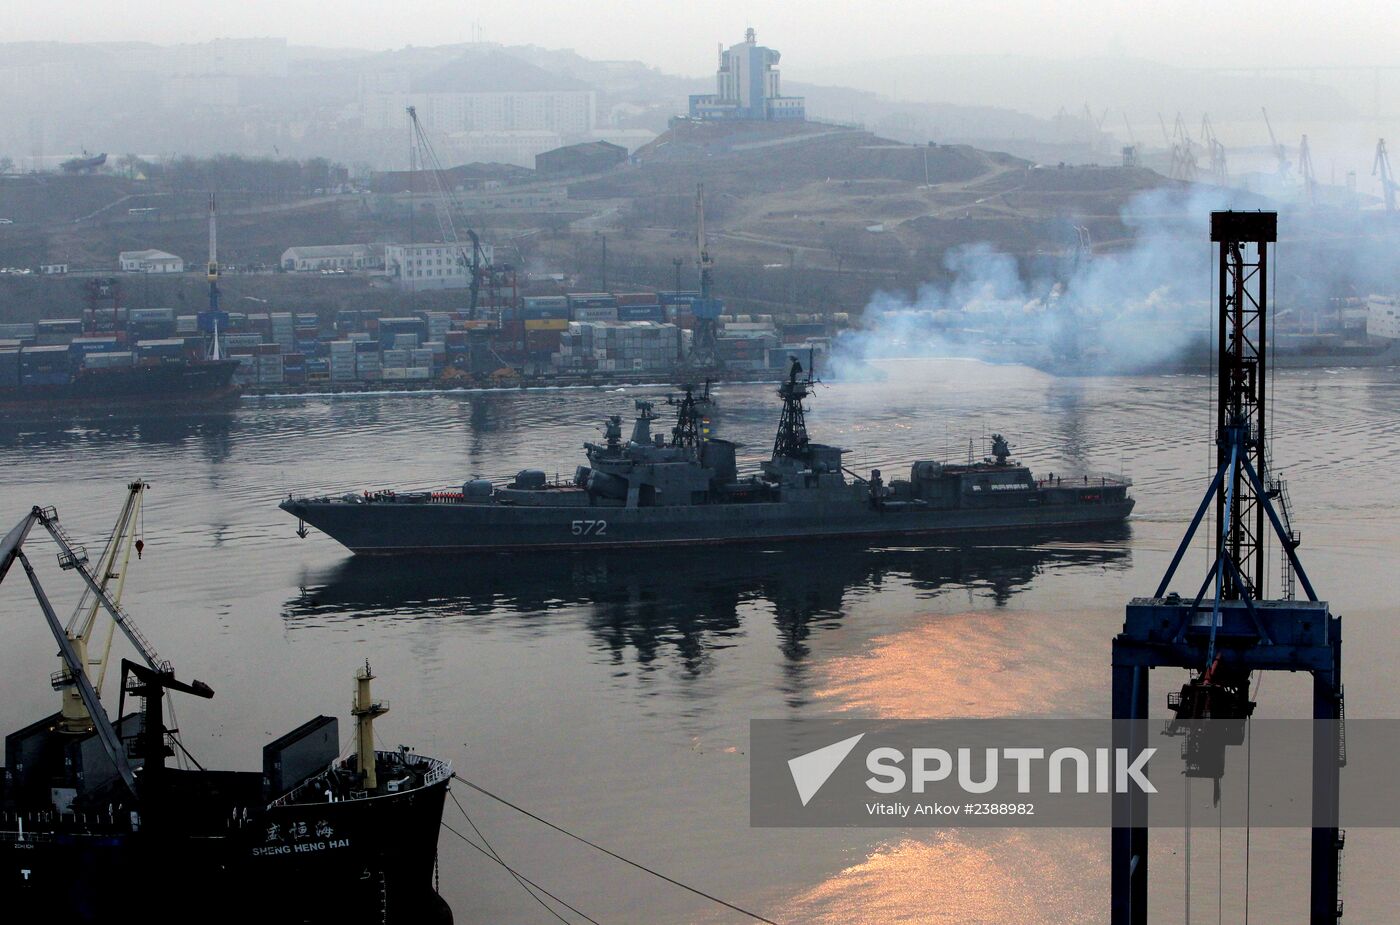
[(614, 855)]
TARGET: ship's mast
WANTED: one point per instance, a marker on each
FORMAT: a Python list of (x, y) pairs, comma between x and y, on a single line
[(792, 426), (365, 710)]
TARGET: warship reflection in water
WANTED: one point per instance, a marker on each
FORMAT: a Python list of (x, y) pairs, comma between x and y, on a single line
[(93, 823), (650, 491), (654, 599)]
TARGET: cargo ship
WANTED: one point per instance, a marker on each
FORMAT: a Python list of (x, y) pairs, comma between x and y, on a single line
[(51, 378), (94, 823), (685, 490)]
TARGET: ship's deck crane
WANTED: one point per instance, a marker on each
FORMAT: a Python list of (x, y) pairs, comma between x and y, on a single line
[(1381, 168), (111, 567), (74, 673), (212, 320), (446, 206)]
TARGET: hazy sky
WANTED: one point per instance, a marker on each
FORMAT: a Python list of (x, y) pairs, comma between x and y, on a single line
[(680, 37)]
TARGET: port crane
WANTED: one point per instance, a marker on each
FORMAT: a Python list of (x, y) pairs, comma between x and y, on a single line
[(1131, 150), (706, 309), (1305, 168), (1280, 152), (1219, 174), (1223, 638), (446, 204), (1381, 168)]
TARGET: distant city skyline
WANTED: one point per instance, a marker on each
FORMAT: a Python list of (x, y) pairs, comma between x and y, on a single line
[(683, 38)]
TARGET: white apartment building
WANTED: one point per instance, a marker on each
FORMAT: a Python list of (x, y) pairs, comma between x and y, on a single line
[(430, 266)]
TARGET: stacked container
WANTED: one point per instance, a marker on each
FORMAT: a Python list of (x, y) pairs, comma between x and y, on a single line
[(368, 367), (284, 328), (342, 365), (164, 350), (45, 365), (9, 367), (617, 347)]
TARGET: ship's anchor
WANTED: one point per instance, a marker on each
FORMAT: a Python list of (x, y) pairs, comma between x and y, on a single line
[(301, 528)]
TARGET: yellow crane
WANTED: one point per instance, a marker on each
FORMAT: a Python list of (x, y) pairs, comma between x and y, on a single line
[(83, 626)]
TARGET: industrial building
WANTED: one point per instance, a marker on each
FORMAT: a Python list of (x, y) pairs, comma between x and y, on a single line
[(747, 81), (586, 157), (421, 267), (333, 257), (150, 261)]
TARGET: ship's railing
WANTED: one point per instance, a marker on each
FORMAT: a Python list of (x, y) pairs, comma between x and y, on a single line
[(23, 827), (437, 770), (1084, 480)]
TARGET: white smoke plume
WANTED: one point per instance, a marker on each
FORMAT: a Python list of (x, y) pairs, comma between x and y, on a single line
[(1141, 307)]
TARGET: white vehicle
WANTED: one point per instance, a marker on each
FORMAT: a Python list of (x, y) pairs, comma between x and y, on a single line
[(7, 221)]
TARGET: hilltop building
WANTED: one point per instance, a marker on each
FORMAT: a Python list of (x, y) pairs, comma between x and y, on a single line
[(747, 81)]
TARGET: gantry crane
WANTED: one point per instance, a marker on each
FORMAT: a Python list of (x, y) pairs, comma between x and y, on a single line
[(1226, 628), (446, 206)]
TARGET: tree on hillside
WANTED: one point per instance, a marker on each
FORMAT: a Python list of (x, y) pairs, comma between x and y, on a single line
[(7, 164)]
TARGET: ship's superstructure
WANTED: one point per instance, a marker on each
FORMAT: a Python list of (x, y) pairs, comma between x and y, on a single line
[(648, 491)]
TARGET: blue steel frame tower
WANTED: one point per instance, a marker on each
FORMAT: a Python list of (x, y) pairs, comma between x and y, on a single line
[(1223, 639)]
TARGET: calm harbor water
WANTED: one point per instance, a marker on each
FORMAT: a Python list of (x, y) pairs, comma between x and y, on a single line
[(612, 693)]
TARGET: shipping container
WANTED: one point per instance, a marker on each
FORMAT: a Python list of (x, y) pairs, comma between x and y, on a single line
[(83, 345), (641, 312)]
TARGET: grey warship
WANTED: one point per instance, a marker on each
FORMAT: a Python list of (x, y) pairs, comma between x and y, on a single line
[(652, 491)]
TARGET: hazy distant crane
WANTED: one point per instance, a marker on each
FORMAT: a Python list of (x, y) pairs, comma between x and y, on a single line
[(1305, 167), (1280, 152), (1183, 165), (1381, 168), (1130, 151), (1219, 174)]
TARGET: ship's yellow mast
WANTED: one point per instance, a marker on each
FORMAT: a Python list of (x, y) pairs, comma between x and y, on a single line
[(365, 710), (111, 567)]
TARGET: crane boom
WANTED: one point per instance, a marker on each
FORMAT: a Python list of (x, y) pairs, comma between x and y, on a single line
[(446, 204)]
